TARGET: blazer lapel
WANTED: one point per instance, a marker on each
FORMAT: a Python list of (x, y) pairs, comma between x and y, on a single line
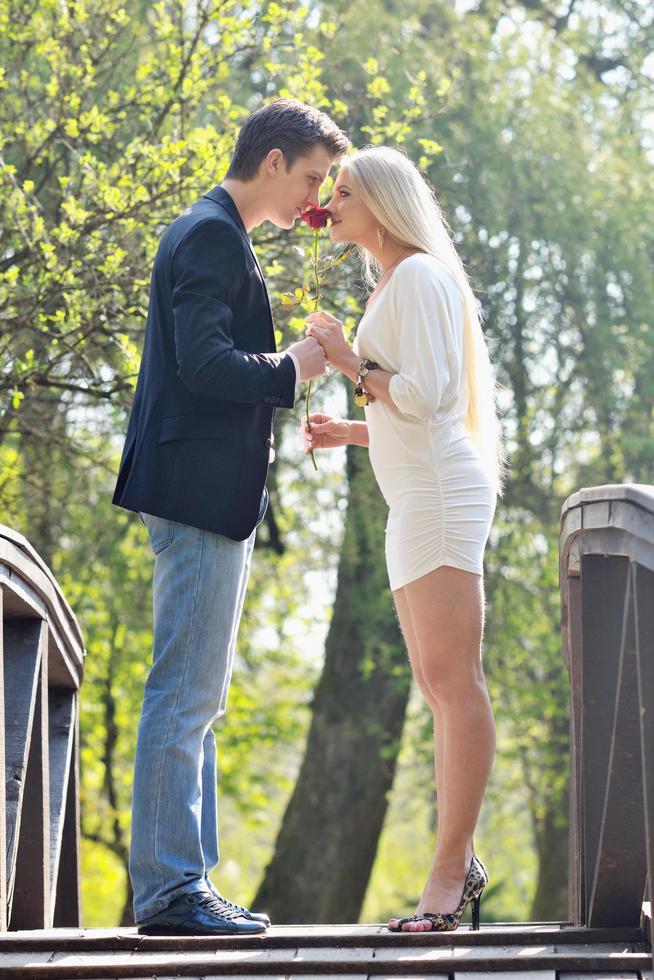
[(221, 197)]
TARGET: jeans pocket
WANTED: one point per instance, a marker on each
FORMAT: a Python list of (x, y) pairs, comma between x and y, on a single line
[(161, 531)]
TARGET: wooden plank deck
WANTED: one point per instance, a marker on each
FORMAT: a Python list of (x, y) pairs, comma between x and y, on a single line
[(521, 951)]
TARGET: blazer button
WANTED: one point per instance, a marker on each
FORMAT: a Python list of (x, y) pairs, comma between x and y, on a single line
[(268, 443)]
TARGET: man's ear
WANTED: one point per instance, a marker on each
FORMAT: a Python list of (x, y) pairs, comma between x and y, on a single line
[(275, 163)]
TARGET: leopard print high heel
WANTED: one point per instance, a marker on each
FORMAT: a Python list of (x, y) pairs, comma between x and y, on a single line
[(474, 884)]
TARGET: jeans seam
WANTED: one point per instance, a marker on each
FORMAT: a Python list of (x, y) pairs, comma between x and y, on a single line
[(172, 714)]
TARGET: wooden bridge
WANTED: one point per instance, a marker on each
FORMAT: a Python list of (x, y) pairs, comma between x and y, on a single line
[(607, 593), (521, 951)]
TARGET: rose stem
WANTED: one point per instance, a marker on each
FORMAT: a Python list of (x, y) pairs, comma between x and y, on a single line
[(316, 233)]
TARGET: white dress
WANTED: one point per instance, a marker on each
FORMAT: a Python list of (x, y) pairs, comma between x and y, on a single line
[(440, 497)]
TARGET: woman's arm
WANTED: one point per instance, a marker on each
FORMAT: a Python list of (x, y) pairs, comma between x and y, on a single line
[(359, 434), (328, 331), (376, 382), (426, 348), (325, 432)]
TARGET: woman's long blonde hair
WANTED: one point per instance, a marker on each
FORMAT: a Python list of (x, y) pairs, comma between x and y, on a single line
[(393, 189)]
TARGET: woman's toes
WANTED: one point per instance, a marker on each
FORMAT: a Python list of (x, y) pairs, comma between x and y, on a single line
[(417, 925)]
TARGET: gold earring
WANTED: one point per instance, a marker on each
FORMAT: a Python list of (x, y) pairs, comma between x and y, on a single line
[(381, 235)]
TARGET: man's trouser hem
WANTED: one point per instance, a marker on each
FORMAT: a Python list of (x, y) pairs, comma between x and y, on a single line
[(195, 886)]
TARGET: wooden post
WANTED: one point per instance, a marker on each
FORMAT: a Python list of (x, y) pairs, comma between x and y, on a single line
[(572, 619), (603, 587), (620, 871), (644, 610), (26, 711), (68, 903), (41, 653), (607, 547), (3, 804), (22, 663)]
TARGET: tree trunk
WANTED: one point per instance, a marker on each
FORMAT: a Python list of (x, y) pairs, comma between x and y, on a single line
[(328, 839)]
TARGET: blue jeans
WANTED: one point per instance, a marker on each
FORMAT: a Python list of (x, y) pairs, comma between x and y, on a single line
[(198, 590)]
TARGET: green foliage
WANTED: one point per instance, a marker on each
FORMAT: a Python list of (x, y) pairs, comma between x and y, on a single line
[(114, 121)]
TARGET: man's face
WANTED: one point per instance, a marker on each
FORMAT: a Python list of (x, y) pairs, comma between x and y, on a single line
[(294, 189)]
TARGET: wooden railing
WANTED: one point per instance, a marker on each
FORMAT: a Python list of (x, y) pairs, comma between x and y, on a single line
[(607, 590), (42, 656)]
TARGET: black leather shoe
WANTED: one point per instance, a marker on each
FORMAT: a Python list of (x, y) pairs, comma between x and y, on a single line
[(257, 916), (200, 914)]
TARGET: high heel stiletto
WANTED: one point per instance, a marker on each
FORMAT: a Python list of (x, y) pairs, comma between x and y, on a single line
[(473, 886), (475, 912)]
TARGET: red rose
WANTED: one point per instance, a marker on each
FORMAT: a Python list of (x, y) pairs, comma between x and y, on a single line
[(316, 217)]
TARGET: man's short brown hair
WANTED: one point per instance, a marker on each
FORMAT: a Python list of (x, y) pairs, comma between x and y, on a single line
[(286, 125)]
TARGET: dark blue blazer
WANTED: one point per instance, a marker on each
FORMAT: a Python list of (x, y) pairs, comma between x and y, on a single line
[(199, 434)]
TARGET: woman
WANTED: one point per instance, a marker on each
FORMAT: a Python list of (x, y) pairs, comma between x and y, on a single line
[(421, 364)]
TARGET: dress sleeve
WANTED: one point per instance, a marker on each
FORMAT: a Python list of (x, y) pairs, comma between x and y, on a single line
[(425, 341)]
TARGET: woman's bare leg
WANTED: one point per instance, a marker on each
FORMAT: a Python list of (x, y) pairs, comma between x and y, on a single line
[(446, 612), (412, 648)]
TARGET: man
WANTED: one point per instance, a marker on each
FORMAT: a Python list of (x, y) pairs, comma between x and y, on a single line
[(194, 466)]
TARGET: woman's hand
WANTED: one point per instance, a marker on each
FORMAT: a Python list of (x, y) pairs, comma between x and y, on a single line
[(328, 331), (324, 432)]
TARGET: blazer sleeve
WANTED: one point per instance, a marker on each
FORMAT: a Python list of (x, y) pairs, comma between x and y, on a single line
[(208, 269), (425, 333)]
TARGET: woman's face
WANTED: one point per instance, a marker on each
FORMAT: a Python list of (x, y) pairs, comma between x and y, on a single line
[(351, 219)]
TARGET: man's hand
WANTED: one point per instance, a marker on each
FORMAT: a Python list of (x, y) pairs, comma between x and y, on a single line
[(311, 358)]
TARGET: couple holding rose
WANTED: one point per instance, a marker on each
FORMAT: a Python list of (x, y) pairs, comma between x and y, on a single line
[(194, 467)]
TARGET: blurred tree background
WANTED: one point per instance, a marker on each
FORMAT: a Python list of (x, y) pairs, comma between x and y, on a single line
[(532, 119)]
